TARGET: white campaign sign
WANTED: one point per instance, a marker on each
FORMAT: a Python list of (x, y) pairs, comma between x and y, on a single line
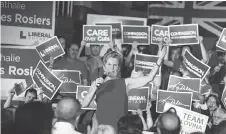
[(190, 121)]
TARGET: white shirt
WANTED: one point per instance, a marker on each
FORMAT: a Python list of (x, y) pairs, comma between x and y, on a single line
[(64, 128)]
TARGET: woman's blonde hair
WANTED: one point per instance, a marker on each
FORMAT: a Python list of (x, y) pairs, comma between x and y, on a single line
[(112, 54), (106, 129)]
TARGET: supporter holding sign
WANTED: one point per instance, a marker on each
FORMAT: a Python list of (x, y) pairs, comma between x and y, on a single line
[(180, 84), (44, 78), (138, 98), (190, 121), (50, 48), (97, 34), (82, 91), (182, 99), (145, 63), (116, 29), (159, 33), (140, 34), (71, 62), (222, 40), (193, 66), (184, 34), (70, 79)]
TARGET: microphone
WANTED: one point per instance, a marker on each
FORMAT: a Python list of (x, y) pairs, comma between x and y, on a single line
[(103, 76)]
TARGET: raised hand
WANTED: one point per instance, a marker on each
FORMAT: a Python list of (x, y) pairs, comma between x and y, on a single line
[(162, 52), (140, 113), (12, 91), (149, 105), (199, 38), (136, 74), (168, 41), (83, 44), (51, 61)]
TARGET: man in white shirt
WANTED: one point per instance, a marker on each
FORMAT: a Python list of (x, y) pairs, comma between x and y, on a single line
[(67, 113)]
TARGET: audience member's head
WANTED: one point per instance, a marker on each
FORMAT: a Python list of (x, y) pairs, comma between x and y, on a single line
[(106, 129), (219, 115), (168, 122), (112, 63), (68, 110), (129, 123), (95, 49), (30, 95), (33, 118), (73, 50), (212, 102), (175, 53), (130, 130), (221, 57)]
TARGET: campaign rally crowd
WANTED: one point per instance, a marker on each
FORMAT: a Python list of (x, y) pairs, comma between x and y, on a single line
[(196, 101)]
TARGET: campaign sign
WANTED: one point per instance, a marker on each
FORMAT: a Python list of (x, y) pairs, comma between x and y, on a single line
[(181, 84), (194, 66), (223, 98), (24, 22), (44, 78), (81, 94), (18, 63), (184, 34), (222, 40), (50, 48), (140, 34), (159, 33), (70, 79), (190, 121), (116, 29), (182, 99), (20, 88), (97, 34), (138, 98), (145, 63)]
